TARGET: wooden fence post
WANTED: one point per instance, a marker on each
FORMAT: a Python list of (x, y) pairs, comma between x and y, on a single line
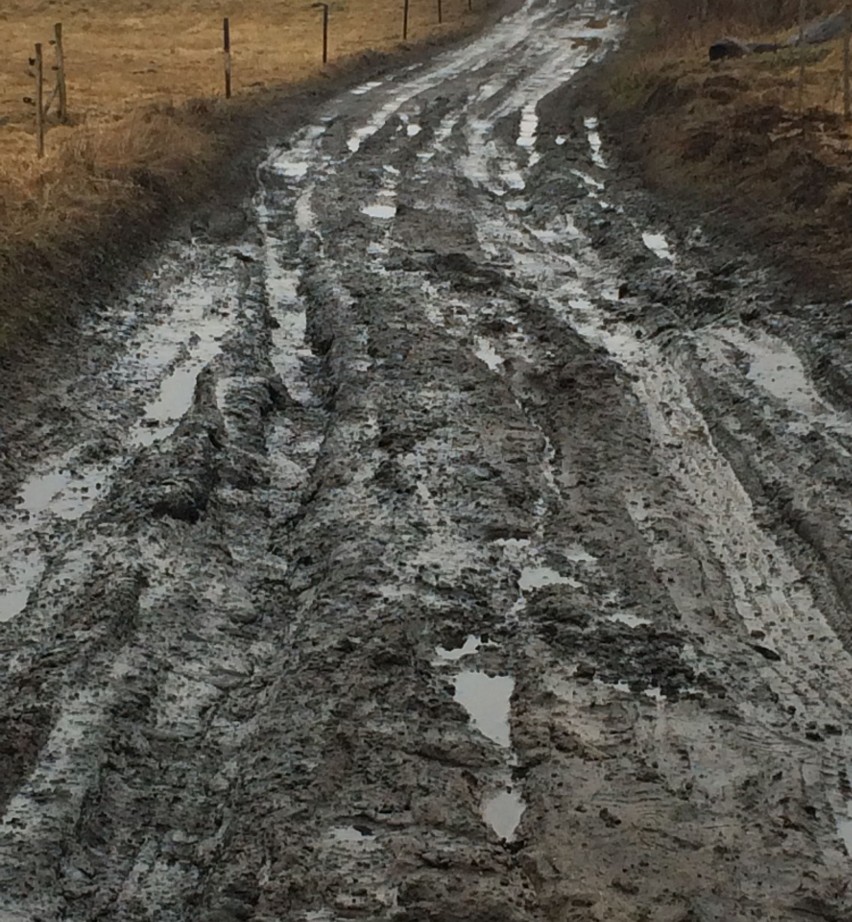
[(324, 8), (405, 20), (440, 13), (801, 56), (325, 33), (39, 99), (60, 73), (226, 35), (847, 38)]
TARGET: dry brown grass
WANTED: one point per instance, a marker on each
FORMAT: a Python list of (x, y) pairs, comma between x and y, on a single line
[(732, 138), (669, 39), (142, 78), (121, 53)]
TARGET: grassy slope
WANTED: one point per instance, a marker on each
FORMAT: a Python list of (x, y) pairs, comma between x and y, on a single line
[(730, 138), (149, 129)]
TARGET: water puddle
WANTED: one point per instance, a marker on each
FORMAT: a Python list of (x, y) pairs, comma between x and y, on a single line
[(471, 645), (170, 405), (844, 828), (161, 359), (633, 621), (445, 130), (589, 181), (486, 352), (366, 88), (523, 556), (306, 219), (529, 126), (533, 578), (296, 169), (290, 348), (503, 812), (775, 367), (294, 162), (200, 320), (14, 601), (653, 692), (658, 245), (353, 837), (379, 212), (592, 133), (782, 374), (63, 491), (486, 700), (359, 136), (514, 181)]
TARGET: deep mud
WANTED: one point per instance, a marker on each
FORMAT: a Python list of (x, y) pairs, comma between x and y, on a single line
[(453, 540)]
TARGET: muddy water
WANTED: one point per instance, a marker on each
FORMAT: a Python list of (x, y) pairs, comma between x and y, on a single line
[(443, 545)]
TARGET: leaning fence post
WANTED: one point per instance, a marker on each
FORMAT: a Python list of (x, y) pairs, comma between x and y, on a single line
[(847, 38), (60, 73), (404, 20), (226, 36), (39, 99)]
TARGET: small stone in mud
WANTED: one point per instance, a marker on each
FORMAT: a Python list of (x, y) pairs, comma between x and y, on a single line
[(766, 652), (246, 616), (609, 818)]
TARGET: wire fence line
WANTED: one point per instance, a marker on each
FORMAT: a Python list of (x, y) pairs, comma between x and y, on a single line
[(49, 81)]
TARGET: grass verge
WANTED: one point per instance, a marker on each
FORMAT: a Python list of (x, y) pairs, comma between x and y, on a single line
[(738, 140), (148, 134)]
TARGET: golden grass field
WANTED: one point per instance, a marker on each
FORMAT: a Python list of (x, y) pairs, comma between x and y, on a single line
[(121, 53), (145, 86)]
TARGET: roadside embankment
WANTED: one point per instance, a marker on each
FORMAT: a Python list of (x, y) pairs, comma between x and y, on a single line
[(750, 144)]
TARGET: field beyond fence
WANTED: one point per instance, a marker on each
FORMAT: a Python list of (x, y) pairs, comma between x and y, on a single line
[(129, 52), (146, 112)]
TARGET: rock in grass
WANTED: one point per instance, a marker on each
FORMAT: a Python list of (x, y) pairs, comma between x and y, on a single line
[(736, 48), (822, 30), (728, 48)]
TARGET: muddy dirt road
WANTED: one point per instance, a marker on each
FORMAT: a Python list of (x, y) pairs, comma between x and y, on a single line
[(446, 536)]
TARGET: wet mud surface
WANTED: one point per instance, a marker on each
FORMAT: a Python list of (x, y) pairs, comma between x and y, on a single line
[(454, 538)]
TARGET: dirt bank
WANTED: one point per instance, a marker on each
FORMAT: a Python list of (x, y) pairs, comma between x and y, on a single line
[(725, 143)]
